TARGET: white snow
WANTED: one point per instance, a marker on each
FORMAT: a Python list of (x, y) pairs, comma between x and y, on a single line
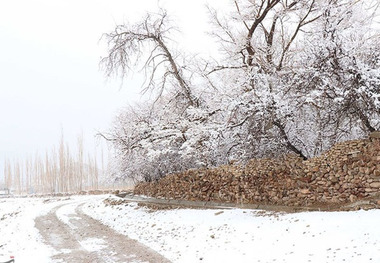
[(190, 235), (93, 244), (66, 213), (18, 236)]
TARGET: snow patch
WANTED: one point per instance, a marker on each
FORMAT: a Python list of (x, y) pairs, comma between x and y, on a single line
[(93, 244)]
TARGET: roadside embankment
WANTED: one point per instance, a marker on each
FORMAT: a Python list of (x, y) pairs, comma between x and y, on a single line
[(347, 173)]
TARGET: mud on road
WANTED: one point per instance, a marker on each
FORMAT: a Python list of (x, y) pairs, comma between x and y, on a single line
[(76, 237)]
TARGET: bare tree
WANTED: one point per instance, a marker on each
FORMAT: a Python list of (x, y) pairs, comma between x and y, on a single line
[(146, 43), (285, 84), (56, 171), (268, 47), (260, 39), (341, 65)]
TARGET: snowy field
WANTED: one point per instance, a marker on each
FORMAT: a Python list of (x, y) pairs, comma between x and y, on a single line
[(189, 235), (18, 236)]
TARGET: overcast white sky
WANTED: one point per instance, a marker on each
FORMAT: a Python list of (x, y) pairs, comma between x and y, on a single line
[(49, 67)]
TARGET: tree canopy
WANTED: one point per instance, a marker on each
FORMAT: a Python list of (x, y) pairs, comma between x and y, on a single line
[(293, 77)]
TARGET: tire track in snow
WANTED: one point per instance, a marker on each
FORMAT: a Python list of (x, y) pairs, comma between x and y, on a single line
[(78, 238)]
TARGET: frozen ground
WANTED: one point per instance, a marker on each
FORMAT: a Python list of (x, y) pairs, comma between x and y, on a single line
[(188, 235)]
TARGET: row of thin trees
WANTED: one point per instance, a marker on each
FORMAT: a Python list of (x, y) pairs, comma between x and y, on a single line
[(61, 170)]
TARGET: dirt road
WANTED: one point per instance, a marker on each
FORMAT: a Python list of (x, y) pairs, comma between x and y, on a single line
[(78, 238)]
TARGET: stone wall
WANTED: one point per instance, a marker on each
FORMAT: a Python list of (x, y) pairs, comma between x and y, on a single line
[(349, 171)]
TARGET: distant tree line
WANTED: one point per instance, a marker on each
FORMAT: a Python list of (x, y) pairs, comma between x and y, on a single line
[(57, 171)]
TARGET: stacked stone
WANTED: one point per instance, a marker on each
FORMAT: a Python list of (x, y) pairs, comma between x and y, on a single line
[(347, 172)]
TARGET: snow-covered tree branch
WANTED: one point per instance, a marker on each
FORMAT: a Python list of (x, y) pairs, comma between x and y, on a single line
[(292, 77)]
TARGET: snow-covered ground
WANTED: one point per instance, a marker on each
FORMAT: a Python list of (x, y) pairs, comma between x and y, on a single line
[(18, 236), (189, 235)]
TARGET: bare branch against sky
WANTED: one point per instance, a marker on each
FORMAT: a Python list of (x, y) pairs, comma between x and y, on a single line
[(50, 77)]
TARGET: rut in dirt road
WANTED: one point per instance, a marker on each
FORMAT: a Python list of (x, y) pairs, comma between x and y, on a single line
[(77, 237)]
